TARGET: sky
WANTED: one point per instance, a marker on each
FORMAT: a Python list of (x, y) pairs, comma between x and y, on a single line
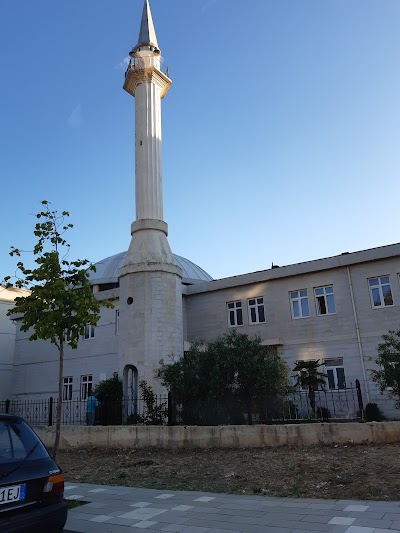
[(281, 130)]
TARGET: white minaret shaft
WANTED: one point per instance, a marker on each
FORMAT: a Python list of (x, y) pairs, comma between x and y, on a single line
[(149, 204)]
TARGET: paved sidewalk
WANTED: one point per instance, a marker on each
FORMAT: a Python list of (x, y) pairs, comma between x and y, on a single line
[(119, 509)]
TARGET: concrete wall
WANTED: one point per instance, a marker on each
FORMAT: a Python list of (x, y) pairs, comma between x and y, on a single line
[(140, 437)]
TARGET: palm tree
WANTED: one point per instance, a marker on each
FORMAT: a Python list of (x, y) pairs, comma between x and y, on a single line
[(308, 377)]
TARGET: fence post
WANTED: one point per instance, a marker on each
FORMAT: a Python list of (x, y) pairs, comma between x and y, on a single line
[(7, 406), (51, 411), (170, 409), (360, 401)]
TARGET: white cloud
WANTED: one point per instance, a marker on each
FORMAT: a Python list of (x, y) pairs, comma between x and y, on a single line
[(207, 5), (122, 64), (75, 119)]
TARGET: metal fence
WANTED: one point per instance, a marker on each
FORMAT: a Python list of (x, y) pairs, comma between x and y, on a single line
[(295, 406)]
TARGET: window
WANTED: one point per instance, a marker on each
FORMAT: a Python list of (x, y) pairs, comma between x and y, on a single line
[(67, 389), (335, 373), (86, 386), (117, 322), (256, 310), (89, 332), (325, 300), (380, 291), (299, 304), (235, 313)]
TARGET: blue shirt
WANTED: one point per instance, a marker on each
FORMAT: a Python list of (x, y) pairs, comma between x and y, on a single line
[(91, 405)]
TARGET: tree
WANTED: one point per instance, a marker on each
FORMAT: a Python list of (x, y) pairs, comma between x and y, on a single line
[(60, 302), (308, 377), (387, 375), (226, 378)]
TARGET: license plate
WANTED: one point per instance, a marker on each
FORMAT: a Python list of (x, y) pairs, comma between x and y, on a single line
[(12, 494)]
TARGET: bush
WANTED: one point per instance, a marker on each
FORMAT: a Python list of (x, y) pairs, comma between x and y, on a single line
[(109, 394), (323, 413), (373, 413)]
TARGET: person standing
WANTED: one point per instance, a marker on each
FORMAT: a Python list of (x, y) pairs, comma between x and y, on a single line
[(91, 405)]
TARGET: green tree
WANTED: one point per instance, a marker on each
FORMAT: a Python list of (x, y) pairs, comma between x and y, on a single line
[(226, 378), (308, 377), (387, 375), (60, 302)]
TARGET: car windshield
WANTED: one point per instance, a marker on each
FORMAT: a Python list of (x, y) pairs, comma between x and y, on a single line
[(19, 443)]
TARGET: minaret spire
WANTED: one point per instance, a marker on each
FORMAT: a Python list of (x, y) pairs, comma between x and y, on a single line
[(147, 33)]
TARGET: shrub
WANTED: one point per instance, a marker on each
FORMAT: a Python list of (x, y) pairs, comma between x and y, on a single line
[(373, 413), (323, 413)]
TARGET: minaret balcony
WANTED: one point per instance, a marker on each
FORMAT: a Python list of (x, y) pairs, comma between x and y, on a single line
[(146, 69)]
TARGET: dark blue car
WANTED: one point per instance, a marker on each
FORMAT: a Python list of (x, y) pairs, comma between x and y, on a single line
[(31, 483)]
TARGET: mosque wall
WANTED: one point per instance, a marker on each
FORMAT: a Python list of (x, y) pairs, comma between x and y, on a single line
[(326, 334), (35, 370)]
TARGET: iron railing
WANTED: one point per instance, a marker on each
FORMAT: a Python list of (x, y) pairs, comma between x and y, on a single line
[(295, 406)]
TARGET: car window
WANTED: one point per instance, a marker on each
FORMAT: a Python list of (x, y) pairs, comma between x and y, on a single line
[(19, 443)]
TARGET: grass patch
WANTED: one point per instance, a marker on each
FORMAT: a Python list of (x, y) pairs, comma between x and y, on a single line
[(72, 504)]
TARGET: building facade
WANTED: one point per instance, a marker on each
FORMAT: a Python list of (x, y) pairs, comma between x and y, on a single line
[(334, 309), (7, 339)]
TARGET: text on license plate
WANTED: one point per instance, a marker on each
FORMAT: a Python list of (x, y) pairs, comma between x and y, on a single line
[(12, 494)]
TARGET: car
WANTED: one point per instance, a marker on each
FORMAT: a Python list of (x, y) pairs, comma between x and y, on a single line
[(31, 483)]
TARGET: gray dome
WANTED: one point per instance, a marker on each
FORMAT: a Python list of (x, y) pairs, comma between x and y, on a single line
[(107, 270)]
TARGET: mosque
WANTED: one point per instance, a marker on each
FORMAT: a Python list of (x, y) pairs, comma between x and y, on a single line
[(333, 309)]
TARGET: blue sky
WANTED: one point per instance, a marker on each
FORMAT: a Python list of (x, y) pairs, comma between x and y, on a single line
[(281, 131)]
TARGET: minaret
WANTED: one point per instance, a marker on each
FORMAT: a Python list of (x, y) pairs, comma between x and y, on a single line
[(150, 313)]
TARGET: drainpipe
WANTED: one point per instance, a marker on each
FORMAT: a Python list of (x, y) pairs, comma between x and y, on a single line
[(358, 334)]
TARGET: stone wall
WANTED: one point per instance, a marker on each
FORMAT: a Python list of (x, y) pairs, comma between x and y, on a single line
[(223, 436)]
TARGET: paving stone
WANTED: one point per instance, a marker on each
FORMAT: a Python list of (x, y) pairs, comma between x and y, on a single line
[(213, 524), (182, 508), (121, 521), (214, 530), (173, 528), (280, 515), (341, 521), (319, 519), (100, 518), (391, 516), (310, 526), (360, 508), (295, 504), (195, 529), (321, 506), (358, 529), (383, 524), (144, 524)]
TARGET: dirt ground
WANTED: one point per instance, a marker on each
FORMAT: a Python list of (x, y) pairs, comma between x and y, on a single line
[(338, 472)]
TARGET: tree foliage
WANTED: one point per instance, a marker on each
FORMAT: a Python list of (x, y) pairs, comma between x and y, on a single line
[(60, 302), (233, 374), (109, 393), (387, 375), (309, 377), (109, 390)]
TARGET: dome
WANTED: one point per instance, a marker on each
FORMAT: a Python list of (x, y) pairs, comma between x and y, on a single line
[(107, 270)]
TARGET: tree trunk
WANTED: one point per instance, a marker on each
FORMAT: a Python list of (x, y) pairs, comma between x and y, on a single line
[(59, 402)]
